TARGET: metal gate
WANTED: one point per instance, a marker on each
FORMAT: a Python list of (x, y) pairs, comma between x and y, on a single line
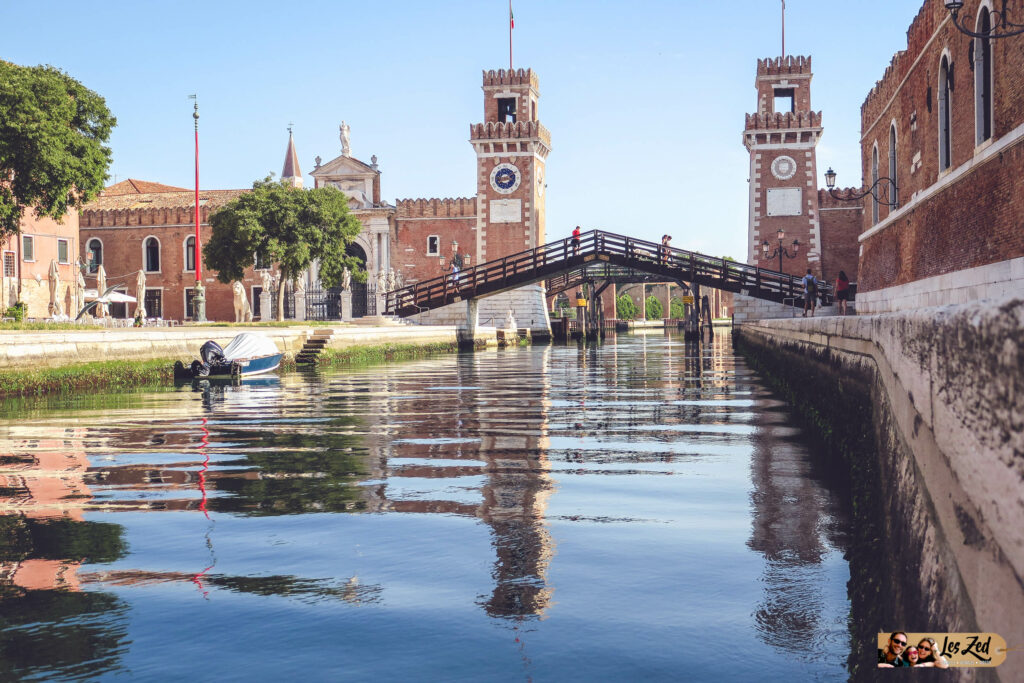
[(323, 304)]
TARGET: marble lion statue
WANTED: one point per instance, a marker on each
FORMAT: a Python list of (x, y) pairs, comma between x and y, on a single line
[(243, 313)]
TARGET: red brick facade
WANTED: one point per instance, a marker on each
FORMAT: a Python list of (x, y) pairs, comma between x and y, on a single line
[(414, 254), (956, 215), (841, 223)]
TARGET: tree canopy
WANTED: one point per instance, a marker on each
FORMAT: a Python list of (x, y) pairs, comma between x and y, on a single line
[(286, 226), (53, 154)]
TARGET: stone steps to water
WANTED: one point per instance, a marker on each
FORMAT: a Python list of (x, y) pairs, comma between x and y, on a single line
[(309, 352)]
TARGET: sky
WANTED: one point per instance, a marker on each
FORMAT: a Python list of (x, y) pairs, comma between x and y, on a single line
[(645, 100)]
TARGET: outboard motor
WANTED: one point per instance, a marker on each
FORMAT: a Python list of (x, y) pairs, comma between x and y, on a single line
[(211, 353)]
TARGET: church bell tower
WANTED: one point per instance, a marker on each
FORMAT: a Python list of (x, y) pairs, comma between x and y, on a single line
[(511, 150), (782, 138)]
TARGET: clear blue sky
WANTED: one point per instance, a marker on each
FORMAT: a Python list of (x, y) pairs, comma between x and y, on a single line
[(645, 100)]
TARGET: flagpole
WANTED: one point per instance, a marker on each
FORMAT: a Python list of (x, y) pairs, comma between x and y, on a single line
[(783, 28), (511, 25)]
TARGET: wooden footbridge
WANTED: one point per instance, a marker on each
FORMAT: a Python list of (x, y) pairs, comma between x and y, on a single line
[(561, 264)]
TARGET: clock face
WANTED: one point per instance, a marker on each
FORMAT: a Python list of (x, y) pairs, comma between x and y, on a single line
[(784, 168), (505, 178)]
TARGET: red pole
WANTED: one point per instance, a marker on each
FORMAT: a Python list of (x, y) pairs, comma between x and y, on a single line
[(198, 267)]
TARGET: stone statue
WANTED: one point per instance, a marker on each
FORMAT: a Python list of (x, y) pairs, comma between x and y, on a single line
[(392, 282), (317, 162), (510, 321), (346, 279), (80, 289), (344, 135), (300, 283), (243, 312), (266, 280), (382, 281)]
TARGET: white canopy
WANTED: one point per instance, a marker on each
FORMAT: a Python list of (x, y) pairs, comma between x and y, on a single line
[(249, 345), (114, 297)]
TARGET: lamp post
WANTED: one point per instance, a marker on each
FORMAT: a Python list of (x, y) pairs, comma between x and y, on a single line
[(1000, 27), (879, 190), (199, 293), (780, 250)]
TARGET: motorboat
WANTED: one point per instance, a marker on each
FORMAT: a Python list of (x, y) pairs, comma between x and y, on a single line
[(248, 354)]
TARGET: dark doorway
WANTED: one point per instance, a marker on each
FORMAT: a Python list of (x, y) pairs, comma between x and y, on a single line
[(359, 294)]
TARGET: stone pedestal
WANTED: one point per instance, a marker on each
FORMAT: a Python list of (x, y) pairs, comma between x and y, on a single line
[(300, 304), (266, 305), (346, 305)]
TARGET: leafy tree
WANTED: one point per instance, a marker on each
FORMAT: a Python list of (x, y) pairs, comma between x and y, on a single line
[(678, 309), (287, 226), (52, 135), (654, 308), (625, 309)]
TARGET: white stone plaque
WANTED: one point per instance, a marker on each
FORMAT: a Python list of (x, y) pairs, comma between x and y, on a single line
[(506, 211), (784, 201)]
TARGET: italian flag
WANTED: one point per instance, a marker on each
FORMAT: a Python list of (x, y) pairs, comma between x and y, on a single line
[(511, 19)]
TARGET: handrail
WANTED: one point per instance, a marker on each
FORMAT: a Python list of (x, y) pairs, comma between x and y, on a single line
[(596, 247)]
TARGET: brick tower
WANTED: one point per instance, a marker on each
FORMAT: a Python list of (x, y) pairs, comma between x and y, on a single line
[(511, 149), (781, 138)]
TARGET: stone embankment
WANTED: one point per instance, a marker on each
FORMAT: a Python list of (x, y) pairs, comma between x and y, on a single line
[(940, 393), (33, 350)]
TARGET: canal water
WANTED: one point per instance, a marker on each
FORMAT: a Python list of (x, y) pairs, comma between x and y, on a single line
[(644, 509)]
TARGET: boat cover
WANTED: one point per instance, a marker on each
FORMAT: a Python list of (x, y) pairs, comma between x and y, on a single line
[(249, 345)]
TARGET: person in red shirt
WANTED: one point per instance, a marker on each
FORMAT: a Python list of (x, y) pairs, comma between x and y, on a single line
[(576, 241), (842, 291)]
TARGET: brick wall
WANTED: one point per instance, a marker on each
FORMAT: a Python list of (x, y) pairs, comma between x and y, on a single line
[(964, 217), (416, 220), (841, 223)]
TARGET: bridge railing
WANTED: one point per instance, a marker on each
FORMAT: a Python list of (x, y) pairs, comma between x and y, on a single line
[(530, 265)]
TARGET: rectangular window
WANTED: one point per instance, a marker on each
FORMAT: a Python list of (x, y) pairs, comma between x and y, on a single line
[(28, 248), (784, 100), (506, 110), (119, 310), (8, 264), (257, 311), (190, 295), (433, 245), (62, 251), (152, 303)]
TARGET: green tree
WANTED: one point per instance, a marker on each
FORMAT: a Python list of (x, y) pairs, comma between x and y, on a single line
[(625, 309), (678, 309), (286, 226), (654, 308), (52, 135)]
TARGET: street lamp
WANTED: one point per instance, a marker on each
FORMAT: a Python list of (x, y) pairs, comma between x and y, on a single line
[(1001, 26), (879, 191), (199, 294), (780, 250)]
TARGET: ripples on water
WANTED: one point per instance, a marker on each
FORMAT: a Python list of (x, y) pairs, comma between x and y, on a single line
[(634, 510)]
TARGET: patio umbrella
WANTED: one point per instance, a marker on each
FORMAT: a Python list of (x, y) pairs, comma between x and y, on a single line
[(101, 286), (54, 309), (140, 295), (79, 290)]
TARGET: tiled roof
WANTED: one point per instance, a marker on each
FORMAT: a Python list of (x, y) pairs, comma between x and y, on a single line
[(208, 199), (132, 186)]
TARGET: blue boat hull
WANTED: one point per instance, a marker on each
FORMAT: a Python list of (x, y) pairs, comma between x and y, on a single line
[(246, 367)]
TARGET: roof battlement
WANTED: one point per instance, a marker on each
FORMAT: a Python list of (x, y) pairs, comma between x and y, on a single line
[(509, 131), (162, 208), (511, 77), (783, 66), (783, 121), (449, 207)]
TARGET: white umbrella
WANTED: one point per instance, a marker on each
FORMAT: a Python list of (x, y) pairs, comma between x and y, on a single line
[(54, 309), (140, 294), (101, 286)]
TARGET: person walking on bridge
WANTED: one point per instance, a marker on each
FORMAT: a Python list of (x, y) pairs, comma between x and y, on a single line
[(455, 263), (576, 241), (810, 292)]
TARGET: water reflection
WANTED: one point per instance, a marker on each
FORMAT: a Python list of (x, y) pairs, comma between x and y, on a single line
[(662, 449)]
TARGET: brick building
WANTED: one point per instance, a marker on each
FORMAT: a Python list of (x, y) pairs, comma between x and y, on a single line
[(819, 231), (137, 225), (946, 124), (43, 245)]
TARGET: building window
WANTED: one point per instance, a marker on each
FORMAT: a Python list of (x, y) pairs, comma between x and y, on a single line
[(257, 309), (190, 254), (893, 185), (874, 179), (506, 110), (8, 264), (95, 254), (152, 303), (28, 248), (784, 100), (983, 79), (945, 139), (261, 261), (120, 309), (62, 251), (190, 308), (151, 255), (433, 245)]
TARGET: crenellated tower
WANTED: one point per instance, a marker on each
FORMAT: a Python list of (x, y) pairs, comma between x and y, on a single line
[(782, 138), (511, 150)]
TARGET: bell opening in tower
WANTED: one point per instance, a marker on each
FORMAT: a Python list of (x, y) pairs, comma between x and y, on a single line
[(506, 110)]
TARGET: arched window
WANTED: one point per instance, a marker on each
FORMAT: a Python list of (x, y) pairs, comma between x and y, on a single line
[(94, 254), (151, 254), (893, 185), (874, 179), (983, 79), (945, 137), (190, 254)]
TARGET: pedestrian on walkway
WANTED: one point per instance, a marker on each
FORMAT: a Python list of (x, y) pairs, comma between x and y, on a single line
[(810, 292), (576, 241), (842, 291)]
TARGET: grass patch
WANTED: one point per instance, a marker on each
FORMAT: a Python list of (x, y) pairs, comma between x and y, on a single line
[(382, 353), (118, 374)]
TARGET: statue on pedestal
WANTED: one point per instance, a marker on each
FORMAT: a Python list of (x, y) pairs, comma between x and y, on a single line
[(346, 279), (343, 131)]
